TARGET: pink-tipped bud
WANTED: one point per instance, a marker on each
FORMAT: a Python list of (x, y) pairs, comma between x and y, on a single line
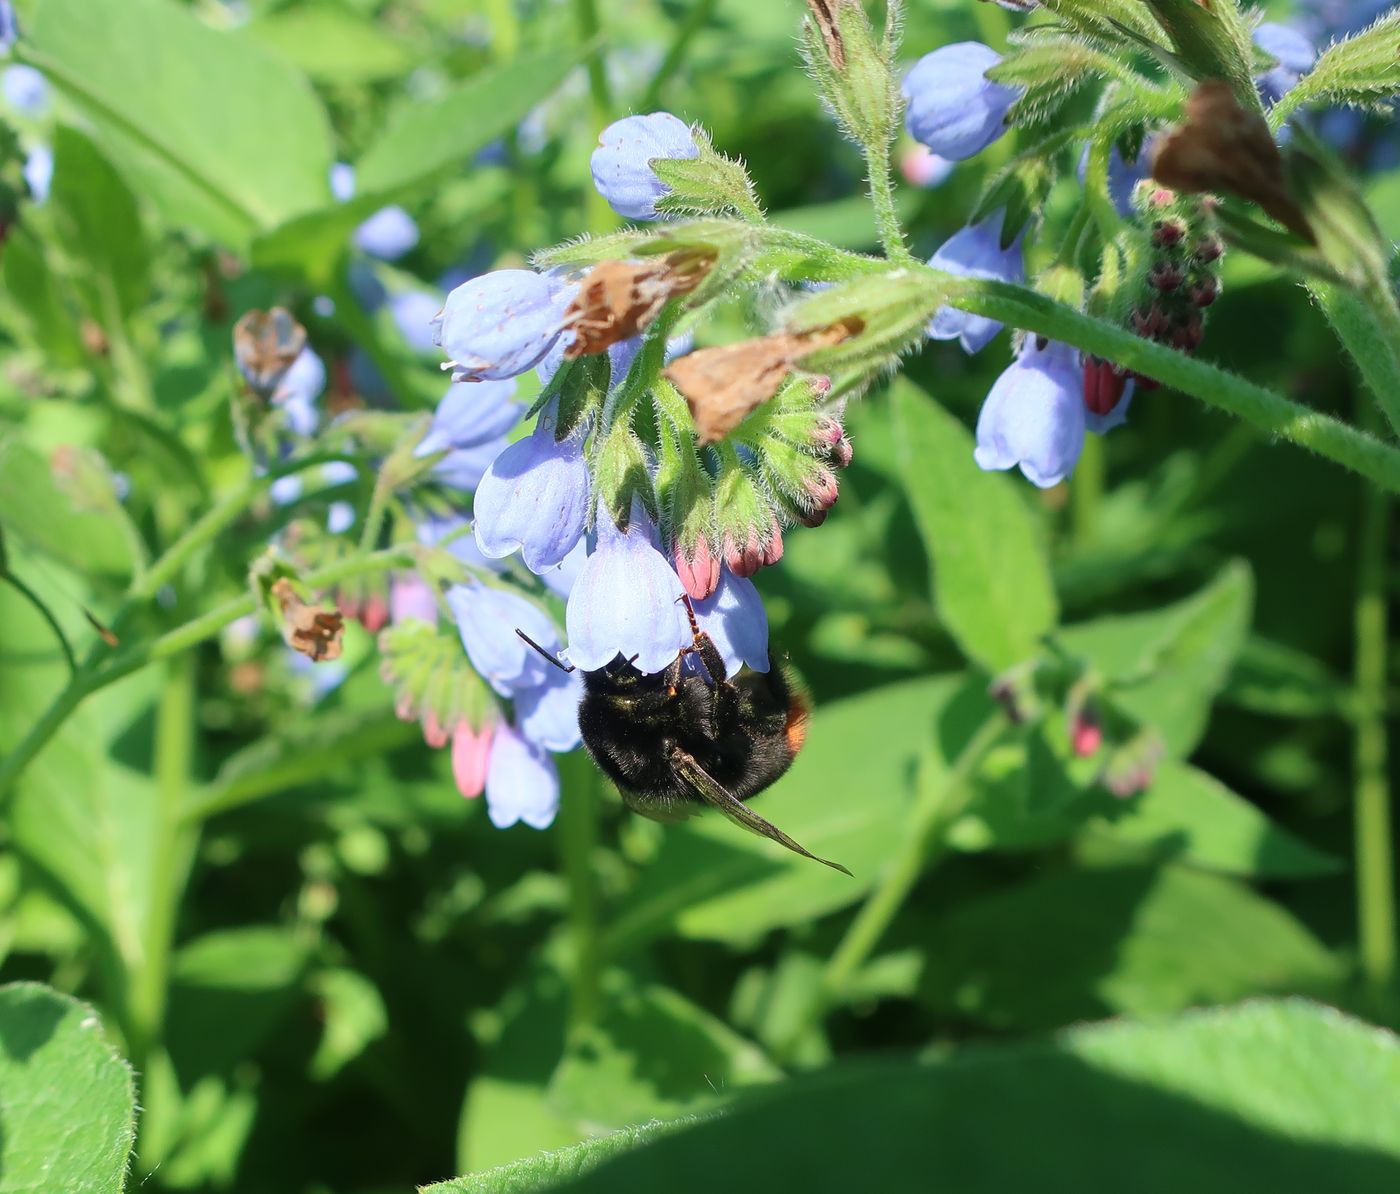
[(828, 432), (1208, 249), (823, 488), (1165, 276), (743, 559), (773, 550), (434, 733), (1189, 335), (1085, 736), (471, 751), (403, 708), (1205, 292), (375, 614), (820, 386), (699, 571), (1167, 233), (812, 518), (1162, 197), (1104, 384)]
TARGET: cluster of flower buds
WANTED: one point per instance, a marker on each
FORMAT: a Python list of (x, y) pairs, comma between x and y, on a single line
[(1183, 269)]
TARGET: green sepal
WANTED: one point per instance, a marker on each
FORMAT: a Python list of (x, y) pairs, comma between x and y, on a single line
[(708, 184), (889, 309), (1021, 186), (620, 473), (1213, 42), (432, 677), (1362, 70)]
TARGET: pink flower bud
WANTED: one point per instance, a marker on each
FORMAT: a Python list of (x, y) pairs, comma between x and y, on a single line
[(1208, 249), (1166, 233), (822, 487), (375, 613), (743, 559), (1085, 736), (699, 572), (1165, 276), (1205, 292), (410, 597), (433, 732), (1104, 384), (471, 751), (828, 432), (773, 551)]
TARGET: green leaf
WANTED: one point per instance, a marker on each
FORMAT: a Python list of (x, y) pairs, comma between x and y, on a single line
[(544, 1170), (67, 1100), (846, 798), (1296, 1097), (1167, 666), (33, 305), (354, 1016), (425, 137), (1277, 680), (1077, 943), (1362, 69), (991, 580), (35, 510), (223, 136), (100, 228), (331, 44), (1192, 817)]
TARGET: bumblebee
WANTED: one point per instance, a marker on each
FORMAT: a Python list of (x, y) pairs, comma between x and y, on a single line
[(679, 738)]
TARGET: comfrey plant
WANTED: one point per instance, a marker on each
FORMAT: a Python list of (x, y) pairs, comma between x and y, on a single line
[(593, 480)]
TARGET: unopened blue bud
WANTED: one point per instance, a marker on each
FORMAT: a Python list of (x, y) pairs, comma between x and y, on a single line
[(954, 108), (501, 324), (622, 162)]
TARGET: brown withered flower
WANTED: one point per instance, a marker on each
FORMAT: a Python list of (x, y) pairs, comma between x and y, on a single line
[(313, 630), (265, 343), (1223, 147), (722, 385), (618, 299)]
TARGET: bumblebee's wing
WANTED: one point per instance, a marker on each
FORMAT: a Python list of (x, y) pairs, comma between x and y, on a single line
[(704, 785)]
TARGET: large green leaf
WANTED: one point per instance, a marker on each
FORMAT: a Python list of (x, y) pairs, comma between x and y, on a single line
[(847, 798), (1285, 1097), (100, 228), (331, 43), (1076, 943), (1166, 666), (67, 1101), (1191, 816), (225, 137), (991, 579)]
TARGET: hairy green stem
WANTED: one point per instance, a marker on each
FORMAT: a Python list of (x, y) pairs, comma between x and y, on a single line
[(882, 196), (1367, 322), (93, 675), (922, 844), (578, 842), (1275, 416), (171, 853), (1375, 881)]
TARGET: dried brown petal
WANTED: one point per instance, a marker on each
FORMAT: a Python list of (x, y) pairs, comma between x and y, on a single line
[(265, 343), (722, 385), (618, 299), (824, 13), (310, 629), (1223, 147)]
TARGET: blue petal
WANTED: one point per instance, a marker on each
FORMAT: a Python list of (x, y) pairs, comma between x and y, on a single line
[(535, 498), (548, 714), (521, 782), (561, 579), (621, 164), (388, 234), (1034, 416), (487, 620), (501, 324), (975, 252), (626, 601), (953, 108), (472, 413), (734, 618)]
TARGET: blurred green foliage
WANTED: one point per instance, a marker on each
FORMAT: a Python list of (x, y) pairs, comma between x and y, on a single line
[(332, 974)]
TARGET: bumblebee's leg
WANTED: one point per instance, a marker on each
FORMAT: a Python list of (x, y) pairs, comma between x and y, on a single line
[(704, 646)]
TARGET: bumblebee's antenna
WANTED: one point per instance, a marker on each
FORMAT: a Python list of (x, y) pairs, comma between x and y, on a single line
[(554, 659)]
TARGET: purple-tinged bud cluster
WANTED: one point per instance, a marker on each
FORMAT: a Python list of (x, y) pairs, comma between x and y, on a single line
[(621, 164), (501, 324), (953, 108), (975, 252)]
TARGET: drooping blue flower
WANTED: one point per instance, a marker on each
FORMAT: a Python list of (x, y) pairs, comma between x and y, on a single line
[(501, 324), (297, 391), (534, 498), (453, 532), (626, 600), (548, 713), (487, 620), (953, 107), (734, 618), (1294, 55), (471, 424), (415, 313), (975, 252), (388, 234), (622, 162), (26, 90), (561, 579), (1034, 415), (38, 173), (521, 782)]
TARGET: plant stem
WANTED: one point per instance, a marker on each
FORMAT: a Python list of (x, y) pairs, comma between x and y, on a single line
[(44, 612), (1375, 884), (578, 842), (923, 842), (171, 853), (1277, 417), (882, 197), (1367, 323), (91, 676)]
